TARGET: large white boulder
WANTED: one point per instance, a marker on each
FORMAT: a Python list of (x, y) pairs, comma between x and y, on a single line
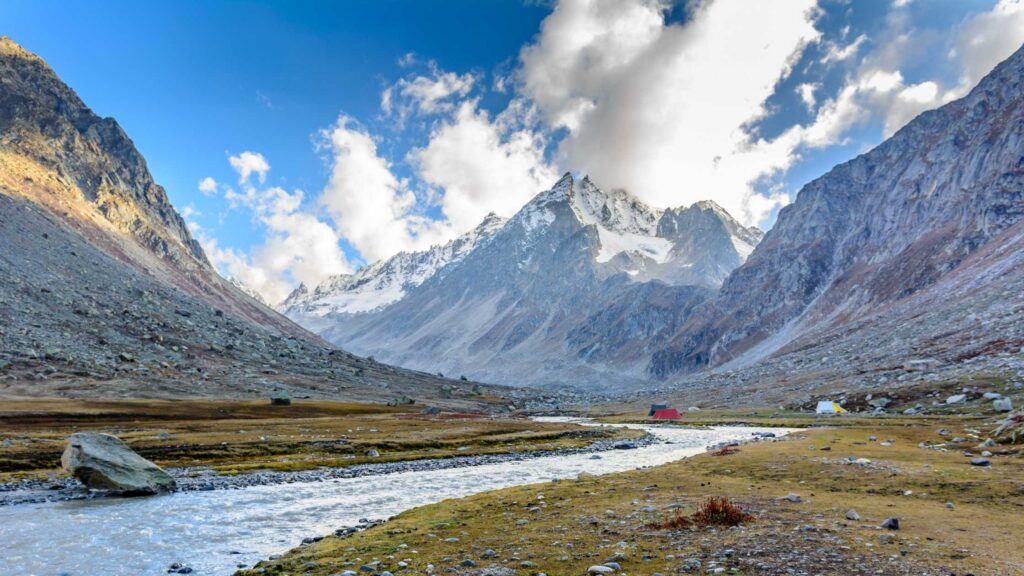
[(104, 462)]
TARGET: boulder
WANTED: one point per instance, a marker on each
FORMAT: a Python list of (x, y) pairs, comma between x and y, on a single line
[(103, 462)]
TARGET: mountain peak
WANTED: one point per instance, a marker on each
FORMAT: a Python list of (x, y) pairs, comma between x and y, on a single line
[(9, 47)]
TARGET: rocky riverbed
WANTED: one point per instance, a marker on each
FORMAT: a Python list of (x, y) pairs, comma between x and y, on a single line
[(204, 479), (215, 531)]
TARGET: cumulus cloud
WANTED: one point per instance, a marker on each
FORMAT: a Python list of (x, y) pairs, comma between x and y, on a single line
[(249, 163), (426, 94), (661, 109), (806, 92), (989, 38), (371, 208), (878, 90), (484, 165), (208, 186), (297, 245)]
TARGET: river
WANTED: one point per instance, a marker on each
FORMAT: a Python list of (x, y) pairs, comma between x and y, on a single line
[(215, 532)]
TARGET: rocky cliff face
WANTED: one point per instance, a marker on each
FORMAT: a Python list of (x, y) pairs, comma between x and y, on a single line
[(552, 297), (50, 138), (103, 291), (871, 232)]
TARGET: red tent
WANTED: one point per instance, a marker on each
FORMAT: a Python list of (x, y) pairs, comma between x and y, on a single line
[(667, 414)]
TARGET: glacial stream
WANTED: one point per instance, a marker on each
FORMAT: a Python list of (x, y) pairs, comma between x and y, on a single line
[(214, 532)]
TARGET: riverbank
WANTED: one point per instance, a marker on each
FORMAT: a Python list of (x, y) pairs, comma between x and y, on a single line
[(818, 500), (238, 443), (35, 491)]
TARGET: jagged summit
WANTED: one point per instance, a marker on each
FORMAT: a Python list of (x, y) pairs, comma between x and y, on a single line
[(383, 282), (519, 302)]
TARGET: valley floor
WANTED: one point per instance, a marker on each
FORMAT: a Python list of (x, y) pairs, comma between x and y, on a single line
[(233, 437), (954, 517)]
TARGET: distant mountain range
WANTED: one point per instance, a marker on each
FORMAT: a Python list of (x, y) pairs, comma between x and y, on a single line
[(594, 289), (104, 292), (549, 297), (904, 265)]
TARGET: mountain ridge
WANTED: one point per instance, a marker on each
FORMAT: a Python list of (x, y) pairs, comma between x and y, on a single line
[(106, 294), (512, 302)]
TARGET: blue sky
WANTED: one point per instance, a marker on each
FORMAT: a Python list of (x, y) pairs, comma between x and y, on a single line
[(489, 101)]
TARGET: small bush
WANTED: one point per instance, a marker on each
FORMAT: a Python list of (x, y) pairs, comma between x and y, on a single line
[(718, 511), (715, 511), (725, 451)]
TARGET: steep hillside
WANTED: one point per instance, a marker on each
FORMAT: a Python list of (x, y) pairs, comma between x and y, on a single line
[(105, 293), (552, 297), (873, 231)]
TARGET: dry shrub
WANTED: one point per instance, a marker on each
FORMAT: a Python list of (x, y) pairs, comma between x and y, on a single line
[(718, 511), (677, 522), (725, 451), (715, 511)]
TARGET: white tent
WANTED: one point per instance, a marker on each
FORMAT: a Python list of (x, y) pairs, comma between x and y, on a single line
[(828, 407)]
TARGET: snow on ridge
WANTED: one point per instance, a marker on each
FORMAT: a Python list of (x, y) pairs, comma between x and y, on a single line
[(386, 281)]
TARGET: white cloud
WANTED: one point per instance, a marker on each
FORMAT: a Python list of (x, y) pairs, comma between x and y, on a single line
[(839, 53), (662, 109), (249, 163), (484, 165), (297, 246), (806, 92), (208, 186), (426, 94), (879, 90), (988, 39), (371, 208)]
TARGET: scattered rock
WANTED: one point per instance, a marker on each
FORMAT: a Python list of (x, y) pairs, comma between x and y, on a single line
[(104, 462), (891, 524), (792, 498), (956, 399), (851, 514), (980, 462), (1002, 405)]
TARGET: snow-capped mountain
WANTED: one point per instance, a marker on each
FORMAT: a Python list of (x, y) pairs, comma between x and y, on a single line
[(383, 282), (516, 302)]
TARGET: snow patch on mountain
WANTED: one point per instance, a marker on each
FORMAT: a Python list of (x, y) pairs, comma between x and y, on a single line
[(615, 243)]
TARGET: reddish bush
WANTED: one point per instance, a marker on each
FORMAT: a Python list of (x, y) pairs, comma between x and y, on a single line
[(725, 451), (718, 511), (715, 511)]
